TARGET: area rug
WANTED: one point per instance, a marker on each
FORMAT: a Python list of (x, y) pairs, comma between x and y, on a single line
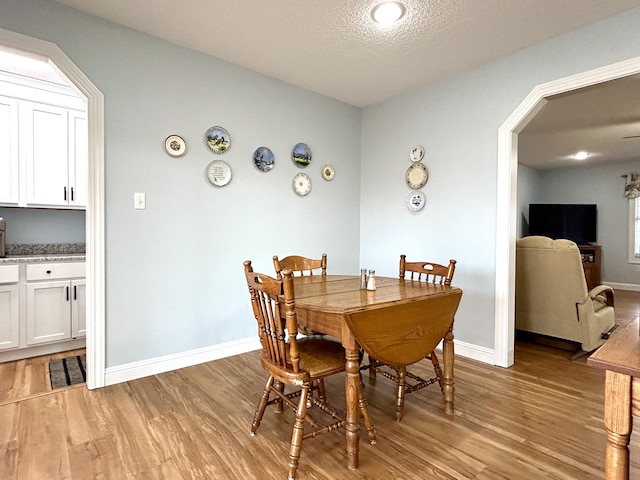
[(64, 372)]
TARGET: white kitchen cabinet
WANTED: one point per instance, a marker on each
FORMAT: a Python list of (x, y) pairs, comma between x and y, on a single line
[(55, 307), (48, 312), (43, 147), (9, 159), (54, 155), (78, 308), (9, 307)]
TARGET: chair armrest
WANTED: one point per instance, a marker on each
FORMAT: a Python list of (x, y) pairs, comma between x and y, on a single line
[(596, 293)]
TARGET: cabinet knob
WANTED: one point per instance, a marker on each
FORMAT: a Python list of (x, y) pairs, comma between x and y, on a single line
[(48, 271)]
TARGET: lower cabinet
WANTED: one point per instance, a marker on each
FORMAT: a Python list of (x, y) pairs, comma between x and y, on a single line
[(43, 311), (9, 307), (55, 311)]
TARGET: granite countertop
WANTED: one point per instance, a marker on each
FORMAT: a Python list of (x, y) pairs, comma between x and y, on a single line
[(57, 252)]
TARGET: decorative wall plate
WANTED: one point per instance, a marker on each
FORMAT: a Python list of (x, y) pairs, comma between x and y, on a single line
[(217, 139), (328, 172), (416, 175), (301, 155), (417, 153), (175, 145), (415, 201), (301, 184), (263, 159), (219, 173)]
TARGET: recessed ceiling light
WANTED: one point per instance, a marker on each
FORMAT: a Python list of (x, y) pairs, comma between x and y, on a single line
[(387, 13), (581, 155)]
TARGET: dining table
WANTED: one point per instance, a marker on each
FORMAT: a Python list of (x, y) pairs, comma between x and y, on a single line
[(395, 323)]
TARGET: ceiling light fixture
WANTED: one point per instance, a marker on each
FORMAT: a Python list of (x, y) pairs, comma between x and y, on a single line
[(388, 13), (581, 155)]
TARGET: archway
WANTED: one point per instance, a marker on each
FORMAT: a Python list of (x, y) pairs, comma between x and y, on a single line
[(507, 195), (95, 201)]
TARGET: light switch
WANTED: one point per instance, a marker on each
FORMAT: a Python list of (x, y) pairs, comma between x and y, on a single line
[(139, 201)]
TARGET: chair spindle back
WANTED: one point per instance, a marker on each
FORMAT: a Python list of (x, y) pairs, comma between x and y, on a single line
[(427, 271), (279, 344), (300, 266)]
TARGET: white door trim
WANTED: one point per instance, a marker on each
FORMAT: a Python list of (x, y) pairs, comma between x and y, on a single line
[(95, 200), (507, 193)]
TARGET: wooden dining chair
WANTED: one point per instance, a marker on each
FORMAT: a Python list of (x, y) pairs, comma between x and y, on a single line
[(298, 362), (407, 381), (300, 266)]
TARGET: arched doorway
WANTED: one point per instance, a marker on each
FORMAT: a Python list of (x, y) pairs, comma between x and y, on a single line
[(95, 201), (507, 194)]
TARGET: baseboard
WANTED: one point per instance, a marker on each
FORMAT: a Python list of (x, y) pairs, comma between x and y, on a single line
[(154, 366), (474, 352), (623, 286)]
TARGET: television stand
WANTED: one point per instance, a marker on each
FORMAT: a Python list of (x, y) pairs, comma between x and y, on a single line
[(591, 263)]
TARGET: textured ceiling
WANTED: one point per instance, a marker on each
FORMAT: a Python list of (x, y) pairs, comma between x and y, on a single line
[(603, 119), (333, 47)]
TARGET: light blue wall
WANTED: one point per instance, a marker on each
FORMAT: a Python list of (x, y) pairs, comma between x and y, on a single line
[(528, 192), (174, 271), (457, 123)]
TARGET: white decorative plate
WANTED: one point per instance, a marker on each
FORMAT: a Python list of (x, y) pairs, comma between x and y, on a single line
[(219, 173), (328, 172), (301, 184), (415, 201), (175, 145), (416, 175), (417, 153)]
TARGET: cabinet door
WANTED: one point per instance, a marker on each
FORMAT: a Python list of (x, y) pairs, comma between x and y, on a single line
[(78, 159), (9, 335), (48, 312), (47, 158), (9, 160), (78, 308)]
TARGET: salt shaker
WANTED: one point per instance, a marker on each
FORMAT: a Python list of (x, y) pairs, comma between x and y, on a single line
[(363, 279), (371, 282)]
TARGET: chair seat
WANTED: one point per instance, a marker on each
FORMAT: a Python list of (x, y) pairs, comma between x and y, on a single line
[(319, 357)]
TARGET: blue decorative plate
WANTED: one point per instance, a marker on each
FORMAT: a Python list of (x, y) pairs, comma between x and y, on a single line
[(263, 159), (301, 155)]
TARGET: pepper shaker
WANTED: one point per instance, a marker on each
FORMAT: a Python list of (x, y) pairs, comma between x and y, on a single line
[(363, 279)]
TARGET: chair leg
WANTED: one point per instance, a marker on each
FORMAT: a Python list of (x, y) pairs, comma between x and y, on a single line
[(298, 432), (373, 364), (279, 386), (402, 385), (436, 368), (322, 392), (368, 421), (262, 405)]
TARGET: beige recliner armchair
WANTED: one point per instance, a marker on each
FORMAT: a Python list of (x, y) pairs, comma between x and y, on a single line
[(552, 297)]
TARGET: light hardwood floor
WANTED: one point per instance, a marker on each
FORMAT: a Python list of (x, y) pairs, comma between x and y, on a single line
[(540, 419)]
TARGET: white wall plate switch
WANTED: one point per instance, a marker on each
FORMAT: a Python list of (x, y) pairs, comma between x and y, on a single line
[(139, 201)]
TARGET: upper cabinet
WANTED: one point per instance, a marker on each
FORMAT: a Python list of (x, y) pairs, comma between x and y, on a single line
[(43, 147), (9, 161)]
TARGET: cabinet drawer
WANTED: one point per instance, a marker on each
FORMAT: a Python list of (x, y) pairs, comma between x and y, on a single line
[(54, 271), (9, 273)]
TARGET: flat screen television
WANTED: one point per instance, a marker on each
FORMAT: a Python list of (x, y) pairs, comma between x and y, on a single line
[(575, 222)]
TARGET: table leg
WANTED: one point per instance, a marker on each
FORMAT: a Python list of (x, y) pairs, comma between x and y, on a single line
[(447, 360), (352, 394), (618, 420)]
